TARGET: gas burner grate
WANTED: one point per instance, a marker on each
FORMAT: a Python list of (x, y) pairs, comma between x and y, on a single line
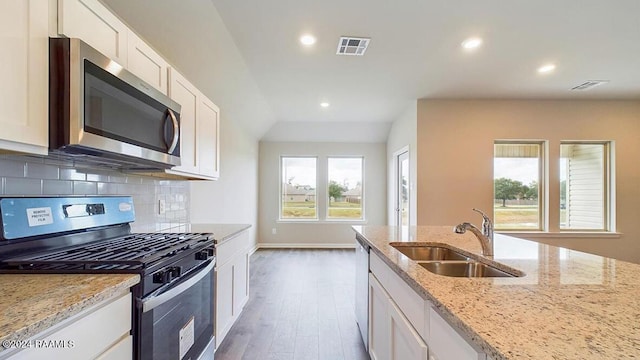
[(134, 252)]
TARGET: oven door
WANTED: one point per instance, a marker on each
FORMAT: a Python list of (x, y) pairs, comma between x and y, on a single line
[(177, 323)]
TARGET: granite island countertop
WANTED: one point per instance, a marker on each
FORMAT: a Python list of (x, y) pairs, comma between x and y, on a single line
[(31, 303), (569, 305), (221, 232)]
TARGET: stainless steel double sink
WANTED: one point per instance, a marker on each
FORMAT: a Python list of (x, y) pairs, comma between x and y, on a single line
[(449, 262)]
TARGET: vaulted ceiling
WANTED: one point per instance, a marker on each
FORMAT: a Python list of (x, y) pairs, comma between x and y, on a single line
[(415, 52)]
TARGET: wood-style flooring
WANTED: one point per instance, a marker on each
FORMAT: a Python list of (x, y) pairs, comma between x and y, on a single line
[(301, 306)]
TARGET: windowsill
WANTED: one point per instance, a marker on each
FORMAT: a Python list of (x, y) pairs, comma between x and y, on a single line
[(562, 234), (326, 221)]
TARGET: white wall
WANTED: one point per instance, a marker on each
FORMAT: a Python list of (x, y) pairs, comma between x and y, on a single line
[(318, 233), (402, 134), (455, 159), (232, 199)]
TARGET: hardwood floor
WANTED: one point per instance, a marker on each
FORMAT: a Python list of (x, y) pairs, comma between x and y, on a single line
[(301, 306)]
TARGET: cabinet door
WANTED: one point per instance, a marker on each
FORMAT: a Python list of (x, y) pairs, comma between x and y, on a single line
[(240, 283), (379, 336), (187, 95), (447, 344), (208, 127), (405, 341), (94, 23), (224, 301), (24, 73), (145, 63)]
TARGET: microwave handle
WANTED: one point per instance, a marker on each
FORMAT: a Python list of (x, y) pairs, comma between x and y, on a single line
[(176, 132)]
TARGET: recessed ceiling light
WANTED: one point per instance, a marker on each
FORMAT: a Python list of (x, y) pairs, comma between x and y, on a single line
[(307, 40), (547, 68), (472, 43), (324, 104)]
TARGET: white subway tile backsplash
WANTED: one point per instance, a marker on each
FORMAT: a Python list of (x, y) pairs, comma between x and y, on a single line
[(85, 188), (22, 186), (41, 171), (33, 176), (97, 177), (11, 168), (71, 174), (57, 187)]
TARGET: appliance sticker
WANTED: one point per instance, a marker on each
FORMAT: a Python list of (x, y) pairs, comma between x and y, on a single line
[(123, 207), (187, 337), (39, 216)]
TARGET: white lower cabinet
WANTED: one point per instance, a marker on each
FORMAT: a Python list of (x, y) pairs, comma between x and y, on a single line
[(100, 332), (232, 282), (447, 344), (405, 341), (379, 334), (404, 326), (391, 336)]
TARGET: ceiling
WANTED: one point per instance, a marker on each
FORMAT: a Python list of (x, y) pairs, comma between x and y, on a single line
[(414, 53)]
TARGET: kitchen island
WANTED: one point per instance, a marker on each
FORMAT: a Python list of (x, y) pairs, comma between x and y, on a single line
[(569, 304)]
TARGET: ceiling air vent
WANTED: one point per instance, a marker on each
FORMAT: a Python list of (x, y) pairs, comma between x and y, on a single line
[(352, 46), (589, 84)]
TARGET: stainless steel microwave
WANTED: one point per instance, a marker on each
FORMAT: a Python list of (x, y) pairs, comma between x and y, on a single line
[(101, 113)]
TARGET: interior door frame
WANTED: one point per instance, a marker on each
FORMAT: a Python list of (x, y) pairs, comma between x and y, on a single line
[(396, 186)]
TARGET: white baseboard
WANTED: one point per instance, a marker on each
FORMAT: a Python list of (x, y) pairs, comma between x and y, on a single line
[(304, 246), (253, 249)]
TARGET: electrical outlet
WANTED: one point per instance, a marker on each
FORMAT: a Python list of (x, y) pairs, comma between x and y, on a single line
[(274, 231), (161, 207)]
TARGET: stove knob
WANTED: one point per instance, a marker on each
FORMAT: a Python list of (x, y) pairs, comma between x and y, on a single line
[(175, 272), (202, 255), (161, 277)]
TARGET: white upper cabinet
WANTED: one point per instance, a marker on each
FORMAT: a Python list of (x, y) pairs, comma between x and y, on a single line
[(209, 138), (199, 130), (146, 64), (25, 76), (94, 23), (187, 95)]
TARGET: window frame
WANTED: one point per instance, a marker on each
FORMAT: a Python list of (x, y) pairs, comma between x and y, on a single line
[(362, 186), (606, 181), (542, 183), (281, 194)]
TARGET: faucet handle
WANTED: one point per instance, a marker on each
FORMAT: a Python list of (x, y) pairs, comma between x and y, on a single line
[(487, 224), (485, 217)]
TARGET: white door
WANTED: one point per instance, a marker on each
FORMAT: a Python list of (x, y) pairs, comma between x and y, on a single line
[(402, 188)]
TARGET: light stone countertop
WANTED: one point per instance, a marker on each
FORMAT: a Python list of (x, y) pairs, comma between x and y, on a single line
[(221, 232), (31, 303), (569, 305)]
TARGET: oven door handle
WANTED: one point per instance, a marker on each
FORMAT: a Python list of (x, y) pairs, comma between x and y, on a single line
[(154, 301)]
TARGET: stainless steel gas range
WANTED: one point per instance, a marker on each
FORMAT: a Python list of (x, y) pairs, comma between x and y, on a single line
[(175, 298)]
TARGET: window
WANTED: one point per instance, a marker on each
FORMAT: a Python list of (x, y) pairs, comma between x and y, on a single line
[(298, 191), (584, 183), (517, 173), (344, 188)]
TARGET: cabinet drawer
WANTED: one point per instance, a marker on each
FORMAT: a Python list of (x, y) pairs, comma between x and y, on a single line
[(79, 334), (123, 350), (231, 247)]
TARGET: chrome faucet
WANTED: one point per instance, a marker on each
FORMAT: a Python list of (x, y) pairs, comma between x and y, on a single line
[(485, 236)]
